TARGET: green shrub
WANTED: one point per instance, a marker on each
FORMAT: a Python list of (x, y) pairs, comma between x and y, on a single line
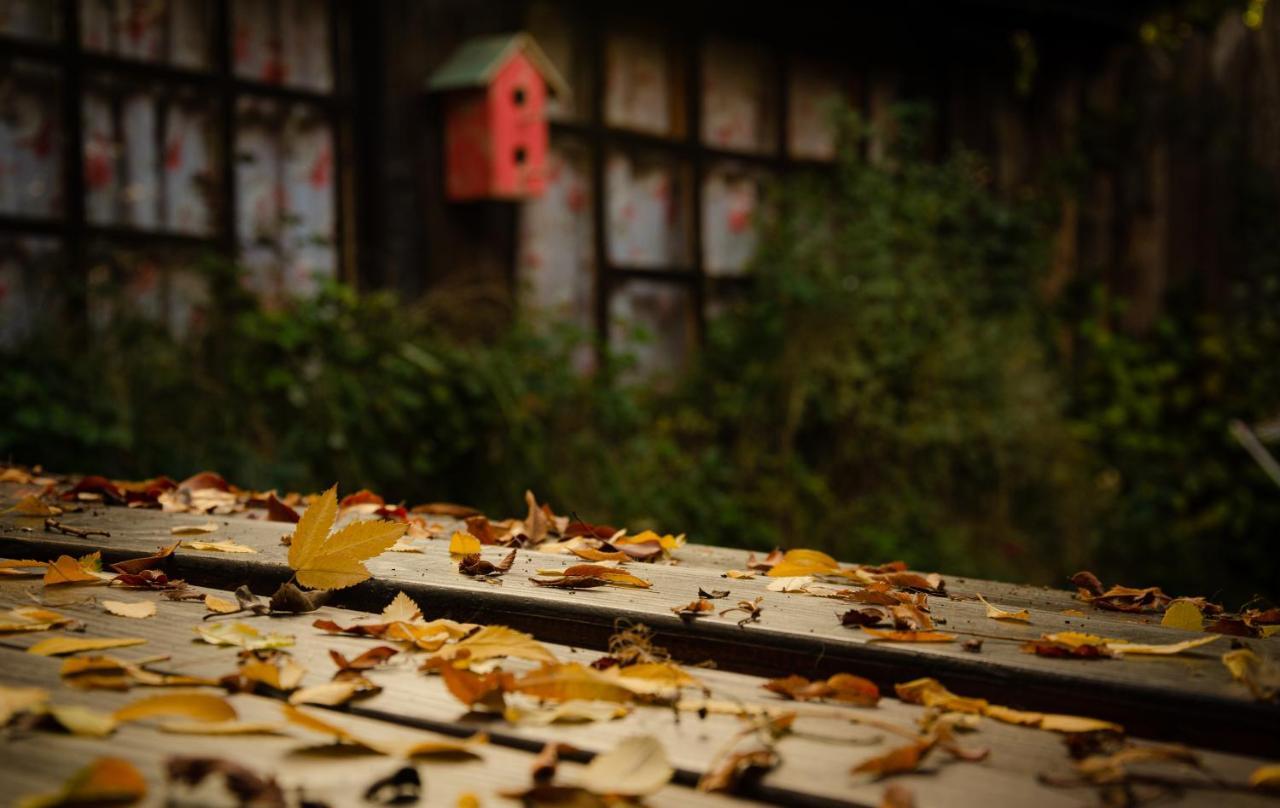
[(884, 390)]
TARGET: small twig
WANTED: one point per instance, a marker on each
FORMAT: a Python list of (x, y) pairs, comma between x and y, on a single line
[(52, 525)]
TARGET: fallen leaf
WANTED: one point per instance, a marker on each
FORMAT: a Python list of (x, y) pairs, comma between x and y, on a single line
[(572, 712), (241, 635), (329, 694), (464, 544), (368, 660), (30, 618), (402, 608), (401, 787), (1070, 644), (67, 570), (1161, 650), (536, 524), (1266, 777), (666, 543), (247, 786), (698, 608), (714, 594), (800, 563), (226, 546), (739, 574), (136, 609), (105, 781), (866, 616), (15, 700), (841, 687), (137, 565), (22, 567), (108, 673), (309, 720), (221, 728), (194, 530), (636, 767), (219, 605), (996, 613), (283, 674), (497, 641), (609, 574), (908, 636), (57, 646), (593, 554), (736, 767), (289, 598), (32, 506), (1183, 614), (571, 582), (902, 760), (796, 583), (1262, 676), (195, 706), (931, 693), (83, 721), (324, 561), (572, 681), (278, 511)]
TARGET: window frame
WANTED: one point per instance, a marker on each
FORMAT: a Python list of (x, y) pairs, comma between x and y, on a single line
[(77, 66), (685, 150)]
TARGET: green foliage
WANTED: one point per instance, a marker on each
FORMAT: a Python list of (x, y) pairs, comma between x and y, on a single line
[(885, 389)]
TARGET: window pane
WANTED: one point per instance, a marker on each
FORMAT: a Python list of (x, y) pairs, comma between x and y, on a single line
[(647, 199), (149, 159), (731, 207), (739, 99), (564, 42), (643, 84), (283, 42), (176, 32), (285, 189), (652, 321), (30, 19), (30, 269), (30, 141), (816, 97), (556, 266)]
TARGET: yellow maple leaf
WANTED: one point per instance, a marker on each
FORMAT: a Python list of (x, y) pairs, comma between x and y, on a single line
[(324, 561)]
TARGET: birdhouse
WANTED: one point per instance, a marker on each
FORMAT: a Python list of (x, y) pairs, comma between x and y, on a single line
[(495, 132)]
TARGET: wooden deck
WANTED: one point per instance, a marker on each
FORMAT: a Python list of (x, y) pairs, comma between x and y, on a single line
[(1189, 698)]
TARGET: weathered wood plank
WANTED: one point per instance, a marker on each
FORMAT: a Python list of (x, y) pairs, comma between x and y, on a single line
[(40, 761), (797, 633), (825, 744)]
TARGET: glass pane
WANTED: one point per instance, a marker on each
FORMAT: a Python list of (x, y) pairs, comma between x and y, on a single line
[(283, 42), (816, 97), (285, 189), (564, 42), (647, 200), (643, 84), (653, 322), (732, 198), (149, 159), (30, 19), (30, 141), (29, 272), (176, 32), (739, 98), (556, 264)]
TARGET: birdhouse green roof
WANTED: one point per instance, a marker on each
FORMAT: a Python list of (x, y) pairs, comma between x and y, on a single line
[(477, 61)]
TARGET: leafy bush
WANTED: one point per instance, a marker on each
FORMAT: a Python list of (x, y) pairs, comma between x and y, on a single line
[(884, 390)]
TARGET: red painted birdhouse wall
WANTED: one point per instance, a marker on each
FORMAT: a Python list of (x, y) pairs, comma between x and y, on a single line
[(496, 135)]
